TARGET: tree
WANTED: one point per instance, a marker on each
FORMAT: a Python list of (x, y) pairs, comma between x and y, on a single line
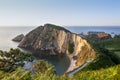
[(44, 67)]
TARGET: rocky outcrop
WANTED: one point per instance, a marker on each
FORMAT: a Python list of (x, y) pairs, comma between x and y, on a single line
[(55, 40), (18, 38)]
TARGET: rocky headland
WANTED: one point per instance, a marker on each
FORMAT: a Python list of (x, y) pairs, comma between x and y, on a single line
[(54, 40)]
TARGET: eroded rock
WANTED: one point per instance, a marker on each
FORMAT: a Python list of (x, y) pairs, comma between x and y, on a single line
[(18, 38), (55, 40)]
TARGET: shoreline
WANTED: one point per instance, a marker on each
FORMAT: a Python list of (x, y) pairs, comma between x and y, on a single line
[(75, 70), (72, 65)]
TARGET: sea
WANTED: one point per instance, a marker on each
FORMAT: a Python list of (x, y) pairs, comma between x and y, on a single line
[(8, 33), (112, 30)]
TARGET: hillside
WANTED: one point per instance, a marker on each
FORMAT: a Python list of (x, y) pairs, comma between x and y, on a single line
[(103, 67), (55, 40), (112, 73), (113, 46), (45, 71)]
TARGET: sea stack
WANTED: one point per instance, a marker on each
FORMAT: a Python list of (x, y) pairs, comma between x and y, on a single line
[(18, 38), (55, 40)]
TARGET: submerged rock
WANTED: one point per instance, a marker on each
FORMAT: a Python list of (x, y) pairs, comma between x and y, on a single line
[(18, 38), (55, 40)]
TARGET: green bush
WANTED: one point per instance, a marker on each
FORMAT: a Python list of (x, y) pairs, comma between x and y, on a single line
[(44, 67), (71, 47), (14, 58), (111, 73)]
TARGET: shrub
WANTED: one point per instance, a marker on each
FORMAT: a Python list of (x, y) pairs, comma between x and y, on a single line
[(71, 47), (44, 67)]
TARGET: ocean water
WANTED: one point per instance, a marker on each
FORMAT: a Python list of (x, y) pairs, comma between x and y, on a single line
[(107, 29), (8, 33)]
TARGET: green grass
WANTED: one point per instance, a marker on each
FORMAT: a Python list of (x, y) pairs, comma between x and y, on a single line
[(117, 53), (112, 73), (106, 66), (113, 45), (105, 58)]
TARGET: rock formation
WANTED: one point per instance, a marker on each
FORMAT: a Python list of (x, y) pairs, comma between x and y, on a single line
[(18, 38), (55, 40)]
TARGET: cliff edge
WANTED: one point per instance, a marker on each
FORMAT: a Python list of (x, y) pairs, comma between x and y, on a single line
[(55, 40)]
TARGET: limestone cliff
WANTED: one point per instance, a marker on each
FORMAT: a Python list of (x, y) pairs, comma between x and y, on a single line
[(55, 40)]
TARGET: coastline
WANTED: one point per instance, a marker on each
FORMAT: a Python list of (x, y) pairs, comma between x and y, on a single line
[(73, 68), (77, 68), (72, 65)]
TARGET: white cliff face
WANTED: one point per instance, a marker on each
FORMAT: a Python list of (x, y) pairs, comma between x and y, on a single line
[(58, 40), (81, 49)]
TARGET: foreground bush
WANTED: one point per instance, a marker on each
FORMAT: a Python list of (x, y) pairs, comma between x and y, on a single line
[(43, 70), (10, 60), (112, 73), (44, 67)]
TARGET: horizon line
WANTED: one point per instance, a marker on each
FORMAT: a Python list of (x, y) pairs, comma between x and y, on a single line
[(63, 25)]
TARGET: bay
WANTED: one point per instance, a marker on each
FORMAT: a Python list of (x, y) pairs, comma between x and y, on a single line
[(8, 33)]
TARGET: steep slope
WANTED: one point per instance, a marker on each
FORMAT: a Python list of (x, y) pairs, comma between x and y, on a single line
[(55, 40)]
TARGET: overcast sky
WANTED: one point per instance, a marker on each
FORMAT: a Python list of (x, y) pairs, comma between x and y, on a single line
[(60, 12)]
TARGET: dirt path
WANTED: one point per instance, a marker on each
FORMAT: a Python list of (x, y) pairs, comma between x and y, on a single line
[(70, 74)]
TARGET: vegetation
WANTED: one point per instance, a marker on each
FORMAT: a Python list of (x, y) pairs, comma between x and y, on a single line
[(9, 61), (11, 64), (109, 48), (44, 67), (106, 66), (71, 47), (102, 60), (18, 74), (57, 27), (112, 73), (117, 36), (113, 47), (44, 71), (112, 44), (105, 58)]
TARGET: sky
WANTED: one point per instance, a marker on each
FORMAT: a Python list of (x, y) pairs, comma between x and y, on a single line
[(60, 12)]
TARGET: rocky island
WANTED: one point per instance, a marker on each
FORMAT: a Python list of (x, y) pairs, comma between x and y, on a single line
[(55, 41), (18, 38)]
